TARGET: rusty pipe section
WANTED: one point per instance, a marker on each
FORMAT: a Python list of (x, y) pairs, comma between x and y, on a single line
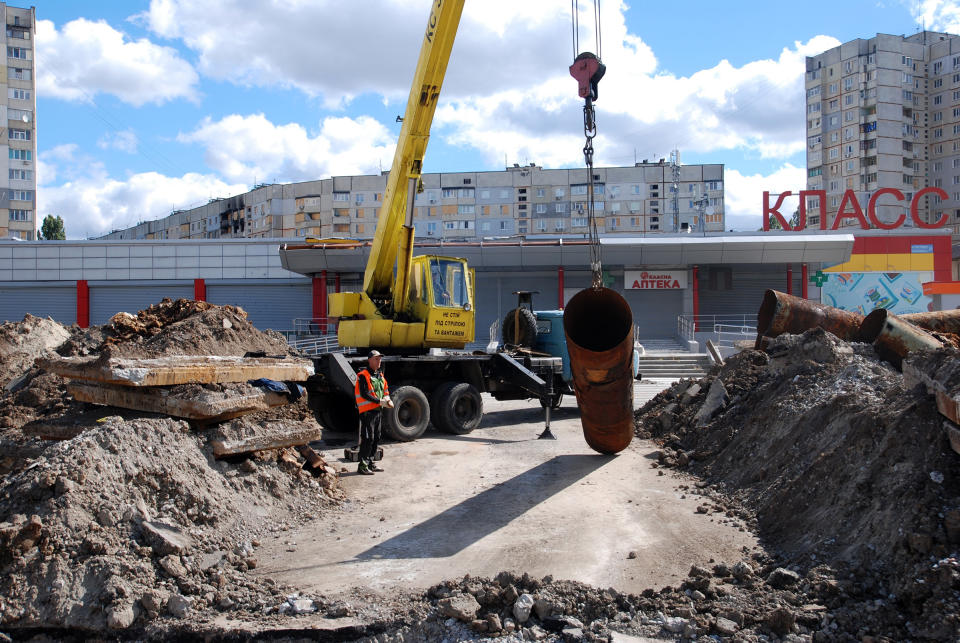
[(947, 321), (782, 313), (893, 337), (598, 325)]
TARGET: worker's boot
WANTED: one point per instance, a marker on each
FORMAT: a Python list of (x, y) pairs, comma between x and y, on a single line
[(364, 470), (373, 466)]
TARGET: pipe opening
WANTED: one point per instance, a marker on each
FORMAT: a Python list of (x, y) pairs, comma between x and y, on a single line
[(767, 309), (872, 325), (597, 319)]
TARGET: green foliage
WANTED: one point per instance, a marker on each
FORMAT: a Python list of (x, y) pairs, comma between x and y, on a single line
[(52, 229)]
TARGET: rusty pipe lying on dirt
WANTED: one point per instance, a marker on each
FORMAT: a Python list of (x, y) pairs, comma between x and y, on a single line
[(893, 337), (947, 321), (598, 325), (782, 313)]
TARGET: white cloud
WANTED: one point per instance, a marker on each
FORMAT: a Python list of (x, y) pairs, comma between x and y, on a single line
[(87, 58), (743, 195), (125, 141), (752, 109), (936, 15), (339, 50), (92, 203), (253, 149)]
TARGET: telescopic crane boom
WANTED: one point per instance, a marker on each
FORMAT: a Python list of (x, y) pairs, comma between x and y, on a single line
[(411, 302)]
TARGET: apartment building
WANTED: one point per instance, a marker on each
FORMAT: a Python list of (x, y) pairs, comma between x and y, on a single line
[(18, 109), (528, 201), (884, 112)]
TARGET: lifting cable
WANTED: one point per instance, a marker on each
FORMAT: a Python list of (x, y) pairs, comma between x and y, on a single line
[(588, 70)]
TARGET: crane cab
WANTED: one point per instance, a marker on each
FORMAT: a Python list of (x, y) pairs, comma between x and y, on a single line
[(441, 294), (439, 310)]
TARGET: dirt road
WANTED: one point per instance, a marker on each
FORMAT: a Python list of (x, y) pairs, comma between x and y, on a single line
[(499, 499)]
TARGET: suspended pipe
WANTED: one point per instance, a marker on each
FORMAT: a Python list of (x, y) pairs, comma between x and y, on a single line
[(893, 337), (782, 313), (598, 325)]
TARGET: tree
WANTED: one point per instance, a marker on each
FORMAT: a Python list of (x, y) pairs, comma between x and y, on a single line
[(794, 221), (52, 229)]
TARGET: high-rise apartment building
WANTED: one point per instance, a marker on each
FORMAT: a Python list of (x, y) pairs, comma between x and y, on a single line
[(18, 109), (881, 113), (528, 201)]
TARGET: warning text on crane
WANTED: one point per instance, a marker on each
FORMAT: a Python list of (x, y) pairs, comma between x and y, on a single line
[(449, 324)]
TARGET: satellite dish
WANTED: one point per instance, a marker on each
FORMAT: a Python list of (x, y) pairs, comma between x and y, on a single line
[(24, 118), (709, 210)]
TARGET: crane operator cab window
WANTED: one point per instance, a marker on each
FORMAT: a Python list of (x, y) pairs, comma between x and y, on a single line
[(449, 284)]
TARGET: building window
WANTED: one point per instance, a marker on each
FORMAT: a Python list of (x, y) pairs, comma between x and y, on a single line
[(18, 94), (341, 196), (578, 189), (578, 222), (18, 52), (20, 215), (541, 192), (466, 209), (559, 193), (24, 115), (541, 208), (16, 73), (558, 208), (21, 175), (541, 225), (20, 155)]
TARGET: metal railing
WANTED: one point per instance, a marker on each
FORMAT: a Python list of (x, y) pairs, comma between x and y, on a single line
[(689, 325), (729, 334), (316, 345)]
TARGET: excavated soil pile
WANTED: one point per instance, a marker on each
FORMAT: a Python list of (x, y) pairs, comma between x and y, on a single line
[(133, 520), (186, 327), (23, 342), (843, 470)]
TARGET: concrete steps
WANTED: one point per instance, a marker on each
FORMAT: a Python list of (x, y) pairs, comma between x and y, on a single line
[(668, 359)]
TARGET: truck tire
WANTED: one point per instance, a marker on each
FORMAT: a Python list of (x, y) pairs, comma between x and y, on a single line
[(337, 413), (459, 408), (408, 418), (527, 334)]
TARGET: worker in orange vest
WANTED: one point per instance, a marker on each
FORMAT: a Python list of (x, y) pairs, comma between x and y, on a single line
[(372, 395)]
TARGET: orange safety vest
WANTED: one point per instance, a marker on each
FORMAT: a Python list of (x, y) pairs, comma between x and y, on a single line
[(363, 404)]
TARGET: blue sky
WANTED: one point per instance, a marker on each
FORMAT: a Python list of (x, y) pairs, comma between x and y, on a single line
[(147, 106)]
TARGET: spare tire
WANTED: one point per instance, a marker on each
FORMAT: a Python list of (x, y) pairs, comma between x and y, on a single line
[(408, 418), (523, 333), (458, 409)]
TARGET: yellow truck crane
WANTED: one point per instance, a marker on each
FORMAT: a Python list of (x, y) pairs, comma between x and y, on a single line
[(411, 302), (417, 311)]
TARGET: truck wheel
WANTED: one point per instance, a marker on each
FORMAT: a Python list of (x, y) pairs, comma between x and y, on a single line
[(527, 335), (408, 418), (459, 408), (337, 413)]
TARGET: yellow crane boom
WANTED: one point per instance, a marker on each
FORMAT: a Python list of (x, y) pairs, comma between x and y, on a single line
[(411, 302)]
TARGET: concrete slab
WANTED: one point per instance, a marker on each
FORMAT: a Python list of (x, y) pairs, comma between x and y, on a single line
[(180, 369), (234, 439), (208, 405)]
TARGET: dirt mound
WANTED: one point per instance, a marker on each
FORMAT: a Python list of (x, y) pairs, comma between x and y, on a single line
[(838, 463), (132, 520), (23, 342), (185, 327)]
